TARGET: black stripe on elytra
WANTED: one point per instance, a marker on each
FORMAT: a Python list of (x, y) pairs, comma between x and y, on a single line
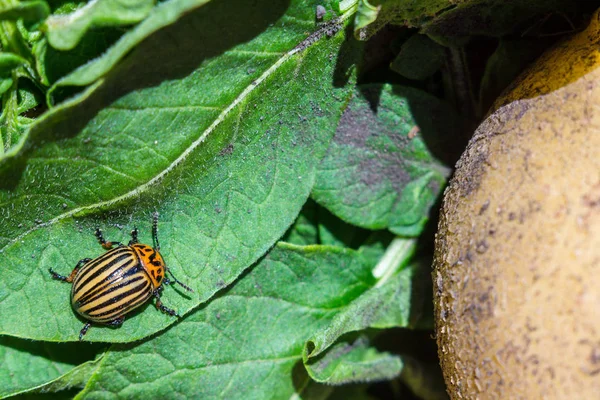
[(110, 279), (133, 270), (124, 308), (87, 268), (100, 268), (108, 254), (97, 295), (117, 298), (123, 271)]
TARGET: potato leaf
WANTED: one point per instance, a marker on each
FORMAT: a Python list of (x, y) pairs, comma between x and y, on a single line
[(30, 365), (8, 62), (30, 11), (226, 155), (396, 300), (493, 18), (159, 17), (64, 31), (373, 15), (348, 362), (252, 335), (419, 58), (380, 170)]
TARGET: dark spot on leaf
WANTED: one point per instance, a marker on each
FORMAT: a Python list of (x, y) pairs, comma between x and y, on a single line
[(359, 127), (227, 150)]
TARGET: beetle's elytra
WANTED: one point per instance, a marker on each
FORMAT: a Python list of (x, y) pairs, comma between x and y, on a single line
[(108, 287)]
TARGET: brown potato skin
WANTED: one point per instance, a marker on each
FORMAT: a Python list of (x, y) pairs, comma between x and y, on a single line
[(517, 259)]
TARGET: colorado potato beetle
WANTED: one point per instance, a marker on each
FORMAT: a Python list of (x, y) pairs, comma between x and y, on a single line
[(112, 285)]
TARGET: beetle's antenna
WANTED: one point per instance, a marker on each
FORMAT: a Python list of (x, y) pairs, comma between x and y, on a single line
[(186, 287), (155, 231)]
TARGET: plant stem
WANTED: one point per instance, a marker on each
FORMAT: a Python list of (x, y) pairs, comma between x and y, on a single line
[(396, 256)]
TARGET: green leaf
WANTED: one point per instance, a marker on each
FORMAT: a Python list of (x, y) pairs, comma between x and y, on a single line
[(492, 18), (54, 64), (8, 62), (335, 232), (78, 377), (13, 42), (304, 231), (66, 30), (30, 11), (370, 18), (18, 96), (245, 343), (396, 300), (365, 14), (419, 58), (308, 389), (354, 362), (224, 154), (5, 84), (28, 97), (164, 14), (380, 170), (504, 65), (30, 365), (316, 225), (375, 246), (10, 127)]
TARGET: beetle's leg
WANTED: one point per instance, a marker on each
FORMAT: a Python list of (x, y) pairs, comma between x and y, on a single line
[(73, 273), (116, 322), (104, 243), (164, 308), (84, 330), (134, 236)]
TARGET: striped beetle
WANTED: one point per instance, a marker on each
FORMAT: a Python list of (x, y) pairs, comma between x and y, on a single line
[(110, 286)]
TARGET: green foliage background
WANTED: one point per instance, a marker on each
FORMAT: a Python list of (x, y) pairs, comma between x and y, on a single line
[(296, 172)]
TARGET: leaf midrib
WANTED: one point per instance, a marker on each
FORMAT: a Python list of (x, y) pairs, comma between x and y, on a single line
[(303, 45), (145, 186)]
